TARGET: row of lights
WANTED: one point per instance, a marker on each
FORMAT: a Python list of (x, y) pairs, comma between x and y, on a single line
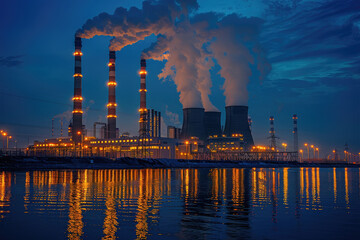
[(119, 141), (5, 134), (308, 146)]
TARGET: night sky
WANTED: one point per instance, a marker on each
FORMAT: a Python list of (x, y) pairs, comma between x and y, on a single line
[(313, 48)]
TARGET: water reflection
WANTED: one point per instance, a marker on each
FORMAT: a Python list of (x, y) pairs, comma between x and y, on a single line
[(183, 203), (5, 193)]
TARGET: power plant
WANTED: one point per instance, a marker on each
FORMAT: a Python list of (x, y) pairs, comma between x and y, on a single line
[(201, 135)]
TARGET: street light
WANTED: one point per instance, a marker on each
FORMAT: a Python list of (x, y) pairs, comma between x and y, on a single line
[(307, 147), (345, 152), (186, 149), (7, 141), (284, 145), (79, 133), (312, 146), (301, 153), (317, 149), (4, 134)]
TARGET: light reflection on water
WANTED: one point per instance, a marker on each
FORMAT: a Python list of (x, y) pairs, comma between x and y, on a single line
[(252, 203)]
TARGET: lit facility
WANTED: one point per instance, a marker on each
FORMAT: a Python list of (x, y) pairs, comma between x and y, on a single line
[(201, 131)]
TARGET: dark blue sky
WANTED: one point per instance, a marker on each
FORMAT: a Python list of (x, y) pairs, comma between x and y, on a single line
[(313, 47)]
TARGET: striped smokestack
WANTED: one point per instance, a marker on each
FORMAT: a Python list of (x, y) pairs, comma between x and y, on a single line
[(272, 134), (111, 131), (143, 110), (295, 132), (77, 99)]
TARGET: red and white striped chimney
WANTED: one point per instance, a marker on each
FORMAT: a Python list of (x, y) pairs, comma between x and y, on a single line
[(143, 109), (77, 131), (111, 131)]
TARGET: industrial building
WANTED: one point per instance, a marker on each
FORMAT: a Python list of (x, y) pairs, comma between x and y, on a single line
[(201, 131)]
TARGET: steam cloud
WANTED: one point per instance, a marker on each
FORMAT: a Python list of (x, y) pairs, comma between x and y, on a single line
[(190, 43)]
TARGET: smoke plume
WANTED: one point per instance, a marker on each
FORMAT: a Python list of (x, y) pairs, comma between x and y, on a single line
[(190, 44)]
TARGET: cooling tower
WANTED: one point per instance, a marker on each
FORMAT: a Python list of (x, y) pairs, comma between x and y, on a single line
[(193, 123), (212, 122), (237, 123)]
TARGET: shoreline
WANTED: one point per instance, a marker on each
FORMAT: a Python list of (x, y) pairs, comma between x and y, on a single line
[(63, 163)]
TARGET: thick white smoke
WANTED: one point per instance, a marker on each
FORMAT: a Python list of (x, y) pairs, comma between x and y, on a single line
[(189, 43)]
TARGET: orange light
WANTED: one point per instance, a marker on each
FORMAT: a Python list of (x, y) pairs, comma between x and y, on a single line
[(77, 111), (143, 72), (77, 53), (142, 90), (111, 105), (77, 75), (78, 133), (142, 110), (305, 144), (110, 64), (112, 83), (77, 99), (4, 134), (312, 146), (10, 137), (187, 142), (111, 116)]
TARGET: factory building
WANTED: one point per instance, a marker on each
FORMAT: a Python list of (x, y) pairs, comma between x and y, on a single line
[(226, 144), (173, 132)]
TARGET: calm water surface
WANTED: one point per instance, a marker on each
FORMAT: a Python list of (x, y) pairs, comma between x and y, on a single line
[(258, 203)]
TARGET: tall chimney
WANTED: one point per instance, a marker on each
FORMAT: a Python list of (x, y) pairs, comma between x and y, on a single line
[(77, 99), (156, 124), (272, 134), (193, 123), (295, 132), (61, 127), (52, 127), (152, 123), (250, 122), (159, 124), (143, 109), (237, 123), (111, 117)]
